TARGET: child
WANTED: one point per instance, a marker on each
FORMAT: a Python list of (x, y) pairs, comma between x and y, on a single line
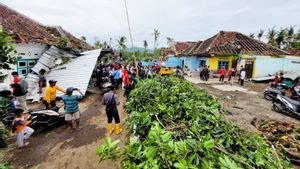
[(71, 108), (20, 124)]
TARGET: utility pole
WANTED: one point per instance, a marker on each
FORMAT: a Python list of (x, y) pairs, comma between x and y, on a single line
[(130, 33)]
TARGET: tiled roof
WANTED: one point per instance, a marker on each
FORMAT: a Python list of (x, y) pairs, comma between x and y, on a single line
[(191, 49), (225, 43), (26, 30), (73, 42), (179, 47), (294, 52)]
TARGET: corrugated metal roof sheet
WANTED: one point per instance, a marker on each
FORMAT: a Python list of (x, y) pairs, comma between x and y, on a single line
[(76, 73), (48, 60)]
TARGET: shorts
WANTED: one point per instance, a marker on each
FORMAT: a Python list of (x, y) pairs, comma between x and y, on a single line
[(72, 116)]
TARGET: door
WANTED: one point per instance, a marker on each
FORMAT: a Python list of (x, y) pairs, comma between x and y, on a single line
[(249, 68), (202, 63)]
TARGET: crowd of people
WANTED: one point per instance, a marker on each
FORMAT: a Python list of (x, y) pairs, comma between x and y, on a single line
[(17, 105), (231, 73)]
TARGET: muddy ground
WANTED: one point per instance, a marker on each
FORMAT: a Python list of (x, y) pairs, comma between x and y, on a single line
[(61, 149)]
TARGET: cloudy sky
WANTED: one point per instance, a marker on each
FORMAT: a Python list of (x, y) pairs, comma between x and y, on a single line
[(178, 19)]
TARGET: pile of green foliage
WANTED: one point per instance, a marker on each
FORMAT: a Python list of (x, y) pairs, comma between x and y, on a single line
[(7, 51), (5, 166), (3, 131), (179, 126)]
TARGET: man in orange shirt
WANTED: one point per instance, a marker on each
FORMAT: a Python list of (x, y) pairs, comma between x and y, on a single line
[(20, 124), (223, 73)]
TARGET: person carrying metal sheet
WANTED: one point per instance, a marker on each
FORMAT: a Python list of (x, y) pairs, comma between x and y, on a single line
[(50, 94)]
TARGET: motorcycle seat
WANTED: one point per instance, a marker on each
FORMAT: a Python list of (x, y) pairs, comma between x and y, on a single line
[(294, 102)]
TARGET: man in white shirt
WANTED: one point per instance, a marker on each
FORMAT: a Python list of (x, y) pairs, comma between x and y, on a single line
[(243, 75)]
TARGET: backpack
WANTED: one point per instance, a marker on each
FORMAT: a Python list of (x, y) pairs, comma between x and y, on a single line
[(111, 106), (24, 85)]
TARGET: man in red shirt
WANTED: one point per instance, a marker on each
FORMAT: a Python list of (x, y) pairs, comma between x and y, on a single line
[(223, 73)]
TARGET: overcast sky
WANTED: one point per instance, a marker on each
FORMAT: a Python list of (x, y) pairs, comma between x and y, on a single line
[(179, 19)]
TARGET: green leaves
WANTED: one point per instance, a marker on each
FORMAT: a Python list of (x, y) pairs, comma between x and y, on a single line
[(109, 150), (7, 50), (209, 144), (227, 163), (179, 126)]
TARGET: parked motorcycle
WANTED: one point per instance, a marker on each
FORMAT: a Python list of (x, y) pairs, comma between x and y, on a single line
[(271, 93), (42, 120), (105, 85), (283, 104)]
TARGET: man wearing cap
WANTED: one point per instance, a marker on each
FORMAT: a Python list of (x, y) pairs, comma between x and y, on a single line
[(71, 107), (50, 94)]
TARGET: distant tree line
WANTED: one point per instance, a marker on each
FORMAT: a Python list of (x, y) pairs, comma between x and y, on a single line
[(283, 38)]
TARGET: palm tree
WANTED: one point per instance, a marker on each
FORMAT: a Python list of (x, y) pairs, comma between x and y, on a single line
[(290, 36), (271, 36), (169, 41), (281, 38), (83, 38), (145, 45), (156, 36), (260, 34), (121, 43), (252, 35)]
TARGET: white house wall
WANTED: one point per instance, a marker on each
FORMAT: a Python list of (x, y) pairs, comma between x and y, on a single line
[(30, 51), (270, 65)]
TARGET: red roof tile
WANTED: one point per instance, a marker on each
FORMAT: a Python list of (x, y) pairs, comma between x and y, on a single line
[(26, 30), (225, 43), (179, 47), (294, 52)]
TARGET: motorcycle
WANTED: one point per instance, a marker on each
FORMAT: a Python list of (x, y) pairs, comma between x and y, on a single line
[(105, 85), (42, 120), (271, 93), (283, 104)]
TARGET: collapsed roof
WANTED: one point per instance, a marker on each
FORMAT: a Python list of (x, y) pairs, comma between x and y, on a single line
[(225, 43), (26, 30), (178, 47)]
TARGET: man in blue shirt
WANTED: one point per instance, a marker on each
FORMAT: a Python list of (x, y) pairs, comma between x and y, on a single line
[(72, 114), (116, 74)]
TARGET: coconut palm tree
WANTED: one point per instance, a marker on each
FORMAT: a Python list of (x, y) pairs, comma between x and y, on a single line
[(145, 45), (121, 43), (83, 38), (156, 35), (252, 35), (169, 40), (290, 37), (281, 38), (271, 36), (260, 34)]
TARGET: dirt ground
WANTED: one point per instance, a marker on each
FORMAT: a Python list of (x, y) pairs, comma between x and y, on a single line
[(62, 149), (244, 107)]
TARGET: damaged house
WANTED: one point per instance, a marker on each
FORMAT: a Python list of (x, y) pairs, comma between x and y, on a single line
[(233, 49), (54, 49)]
